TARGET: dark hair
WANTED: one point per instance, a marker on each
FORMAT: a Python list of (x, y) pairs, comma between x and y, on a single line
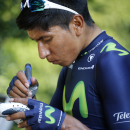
[(28, 20)]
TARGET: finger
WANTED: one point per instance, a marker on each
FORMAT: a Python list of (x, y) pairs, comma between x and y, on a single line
[(18, 92), (23, 79), (33, 81), (23, 124), (28, 128), (29, 94), (12, 94), (21, 87), (15, 116), (19, 100)]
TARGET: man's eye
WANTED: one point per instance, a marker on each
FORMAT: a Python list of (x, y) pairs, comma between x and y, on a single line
[(47, 39)]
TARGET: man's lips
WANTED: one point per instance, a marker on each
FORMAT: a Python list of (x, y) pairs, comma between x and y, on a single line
[(53, 61)]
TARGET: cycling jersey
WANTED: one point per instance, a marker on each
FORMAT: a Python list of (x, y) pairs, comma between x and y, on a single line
[(95, 89)]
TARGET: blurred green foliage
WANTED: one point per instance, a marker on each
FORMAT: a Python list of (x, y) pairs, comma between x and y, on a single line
[(16, 49), (9, 10)]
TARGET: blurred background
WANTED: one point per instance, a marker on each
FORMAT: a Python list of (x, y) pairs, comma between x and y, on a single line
[(16, 49)]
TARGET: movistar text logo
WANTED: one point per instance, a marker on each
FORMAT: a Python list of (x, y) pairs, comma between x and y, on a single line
[(78, 92), (40, 113), (112, 47)]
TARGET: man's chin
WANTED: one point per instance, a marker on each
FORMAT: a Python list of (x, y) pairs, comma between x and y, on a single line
[(65, 64)]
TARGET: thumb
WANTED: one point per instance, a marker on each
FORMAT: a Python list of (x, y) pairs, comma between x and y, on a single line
[(33, 81)]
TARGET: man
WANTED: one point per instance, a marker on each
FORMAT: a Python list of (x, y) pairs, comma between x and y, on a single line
[(93, 86)]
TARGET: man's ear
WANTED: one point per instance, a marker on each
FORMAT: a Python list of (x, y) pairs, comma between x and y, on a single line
[(77, 22)]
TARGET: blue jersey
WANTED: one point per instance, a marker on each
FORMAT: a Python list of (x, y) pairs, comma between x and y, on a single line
[(95, 89)]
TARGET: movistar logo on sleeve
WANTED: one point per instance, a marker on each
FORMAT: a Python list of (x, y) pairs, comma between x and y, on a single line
[(78, 92), (112, 47)]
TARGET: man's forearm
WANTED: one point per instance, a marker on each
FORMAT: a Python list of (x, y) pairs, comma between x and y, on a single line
[(71, 123)]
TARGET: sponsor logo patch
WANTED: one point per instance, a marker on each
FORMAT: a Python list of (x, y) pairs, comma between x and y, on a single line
[(86, 68), (122, 117), (91, 57)]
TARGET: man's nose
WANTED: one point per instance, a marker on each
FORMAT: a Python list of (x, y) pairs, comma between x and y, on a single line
[(43, 51)]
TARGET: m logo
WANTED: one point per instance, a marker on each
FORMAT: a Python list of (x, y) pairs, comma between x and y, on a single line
[(78, 92), (111, 47), (91, 57), (48, 113)]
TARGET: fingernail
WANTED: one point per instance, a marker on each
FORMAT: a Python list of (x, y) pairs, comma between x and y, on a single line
[(29, 93), (27, 85), (8, 118), (11, 99)]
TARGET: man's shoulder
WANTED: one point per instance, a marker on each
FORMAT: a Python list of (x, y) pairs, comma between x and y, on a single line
[(112, 53), (111, 48)]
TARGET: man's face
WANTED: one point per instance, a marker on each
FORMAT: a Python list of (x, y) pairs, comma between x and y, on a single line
[(57, 45)]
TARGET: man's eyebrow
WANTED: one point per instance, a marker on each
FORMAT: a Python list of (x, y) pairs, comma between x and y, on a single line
[(40, 38)]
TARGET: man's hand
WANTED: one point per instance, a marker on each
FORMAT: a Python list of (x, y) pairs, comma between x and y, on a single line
[(71, 123), (40, 116), (19, 86), (19, 115)]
